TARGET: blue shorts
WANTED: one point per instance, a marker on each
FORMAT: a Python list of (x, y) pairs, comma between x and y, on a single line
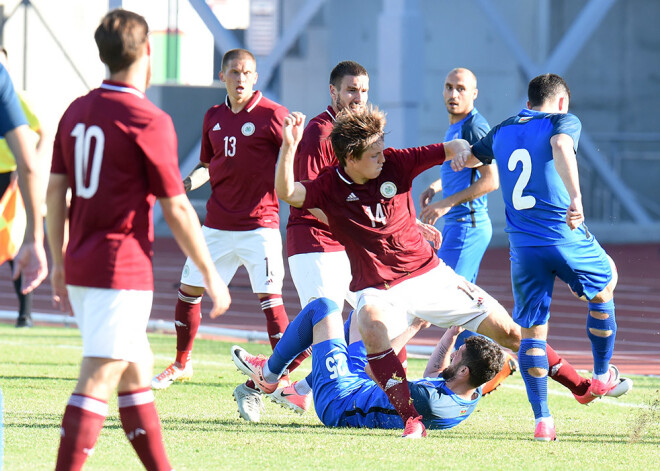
[(583, 265), (334, 382), (463, 246)]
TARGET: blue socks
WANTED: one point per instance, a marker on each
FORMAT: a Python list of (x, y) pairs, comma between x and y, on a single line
[(537, 388), (601, 347), (298, 335)]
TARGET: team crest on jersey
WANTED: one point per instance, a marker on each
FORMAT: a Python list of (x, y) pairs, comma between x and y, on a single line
[(248, 129), (388, 189)]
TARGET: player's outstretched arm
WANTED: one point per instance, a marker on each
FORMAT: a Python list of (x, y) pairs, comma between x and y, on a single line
[(31, 257), (56, 224), (286, 187), (563, 154), (183, 221), (197, 177), (441, 356), (460, 154)]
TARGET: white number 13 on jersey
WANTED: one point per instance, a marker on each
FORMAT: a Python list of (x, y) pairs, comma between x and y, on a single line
[(520, 201), (81, 158)]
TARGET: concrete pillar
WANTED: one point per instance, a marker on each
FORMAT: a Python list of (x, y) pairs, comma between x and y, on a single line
[(400, 66)]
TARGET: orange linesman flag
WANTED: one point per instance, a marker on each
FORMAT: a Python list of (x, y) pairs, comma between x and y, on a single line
[(12, 222)]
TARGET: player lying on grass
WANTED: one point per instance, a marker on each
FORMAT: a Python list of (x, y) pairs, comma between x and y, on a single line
[(345, 396)]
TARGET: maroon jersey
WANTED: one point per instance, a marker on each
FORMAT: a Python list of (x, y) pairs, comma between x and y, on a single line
[(242, 150), (376, 221), (305, 233), (119, 152)]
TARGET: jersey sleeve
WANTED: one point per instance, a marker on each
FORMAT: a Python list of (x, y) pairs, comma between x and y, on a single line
[(159, 144), (277, 123), (317, 190), (483, 148), (57, 162), (314, 153), (11, 114), (206, 151), (413, 161), (568, 124)]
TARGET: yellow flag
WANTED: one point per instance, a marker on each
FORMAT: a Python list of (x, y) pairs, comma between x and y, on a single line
[(12, 222)]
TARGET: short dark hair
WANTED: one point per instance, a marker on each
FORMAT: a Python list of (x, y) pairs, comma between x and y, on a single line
[(236, 54), (120, 37), (545, 87), (345, 68), (483, 357), (354, 131)]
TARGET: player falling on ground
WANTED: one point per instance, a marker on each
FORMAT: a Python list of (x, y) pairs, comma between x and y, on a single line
[(116, 151), (240, 143), (536, 156), (345, 396)]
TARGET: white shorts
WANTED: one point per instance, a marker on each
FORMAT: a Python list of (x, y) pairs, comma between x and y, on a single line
[(322, 274), (260, 250), (113, 322), (439, 296)]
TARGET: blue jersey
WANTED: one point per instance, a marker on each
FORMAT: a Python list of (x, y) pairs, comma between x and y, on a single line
[(347, 397), (535, 197), (11, 114), (471, 128)]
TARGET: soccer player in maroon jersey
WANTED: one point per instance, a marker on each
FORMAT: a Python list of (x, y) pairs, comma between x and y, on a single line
[(117, 153), (396, 274), (317, 261), (241, 139)]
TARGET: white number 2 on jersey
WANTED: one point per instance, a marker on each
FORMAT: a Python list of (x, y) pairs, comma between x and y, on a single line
[(520, 201), (380, 215), (81, 158)]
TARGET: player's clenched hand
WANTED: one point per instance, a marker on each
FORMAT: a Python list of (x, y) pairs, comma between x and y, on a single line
[(460, 160), (294, 125), (58, 286), (430, 233), (219, 294), (575, 214)]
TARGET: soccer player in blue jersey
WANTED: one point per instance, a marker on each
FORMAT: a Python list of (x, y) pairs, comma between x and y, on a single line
[(464, 207), (345, 396), (535, 152), (467, 227)]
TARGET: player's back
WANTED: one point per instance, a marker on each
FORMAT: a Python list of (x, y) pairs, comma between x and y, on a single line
[(118, 151), (534, 194)]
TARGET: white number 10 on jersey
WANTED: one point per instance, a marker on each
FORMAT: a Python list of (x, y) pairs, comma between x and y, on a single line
[(81, 158)]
